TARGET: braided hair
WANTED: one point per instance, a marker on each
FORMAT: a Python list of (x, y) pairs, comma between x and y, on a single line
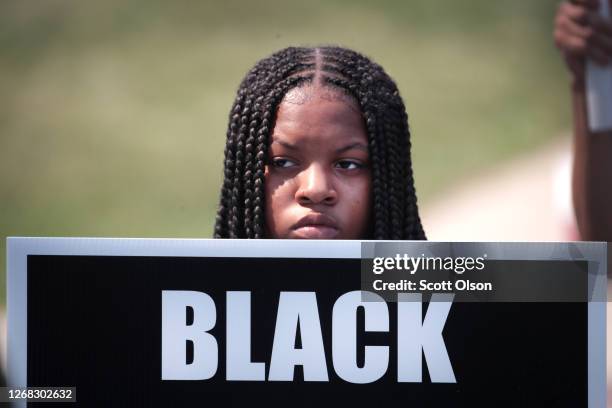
[(241, 208)]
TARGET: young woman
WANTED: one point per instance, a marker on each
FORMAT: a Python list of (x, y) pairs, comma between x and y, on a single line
[(318, 146)]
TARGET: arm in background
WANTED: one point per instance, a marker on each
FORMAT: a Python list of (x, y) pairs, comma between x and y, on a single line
[(580, 33)]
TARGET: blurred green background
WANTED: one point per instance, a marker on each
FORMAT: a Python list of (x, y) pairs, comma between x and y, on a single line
[(113, 113)]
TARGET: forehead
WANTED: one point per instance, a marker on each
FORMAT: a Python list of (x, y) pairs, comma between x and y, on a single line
[(314, 113)]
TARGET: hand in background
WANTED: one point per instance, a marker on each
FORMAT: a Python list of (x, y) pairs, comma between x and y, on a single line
[(581, 32)]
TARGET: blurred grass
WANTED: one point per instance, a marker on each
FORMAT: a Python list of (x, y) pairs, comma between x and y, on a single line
[(113, 114)]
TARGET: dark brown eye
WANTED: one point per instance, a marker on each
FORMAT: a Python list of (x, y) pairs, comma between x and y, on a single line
[(282, 162), (349, 164)]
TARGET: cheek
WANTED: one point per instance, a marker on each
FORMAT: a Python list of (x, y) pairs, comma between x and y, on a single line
[(364, 198), (275, 190), (277, 199), (269, 202), (360, 207)]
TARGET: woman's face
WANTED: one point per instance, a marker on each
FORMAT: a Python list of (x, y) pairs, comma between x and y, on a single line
[(318, 181)]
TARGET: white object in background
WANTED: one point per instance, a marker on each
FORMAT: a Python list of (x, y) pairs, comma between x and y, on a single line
[(599, 88)]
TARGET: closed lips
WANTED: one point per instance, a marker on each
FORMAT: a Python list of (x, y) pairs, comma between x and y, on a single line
[(314, 220)]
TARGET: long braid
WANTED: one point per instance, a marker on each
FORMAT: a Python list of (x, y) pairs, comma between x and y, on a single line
[(241, 207), (222, 226)]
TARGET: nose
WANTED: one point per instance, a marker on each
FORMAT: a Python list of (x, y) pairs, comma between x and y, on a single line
[(316, 187)]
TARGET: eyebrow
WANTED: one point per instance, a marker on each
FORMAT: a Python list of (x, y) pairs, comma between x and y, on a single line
[(356, 145), (285, 144)]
